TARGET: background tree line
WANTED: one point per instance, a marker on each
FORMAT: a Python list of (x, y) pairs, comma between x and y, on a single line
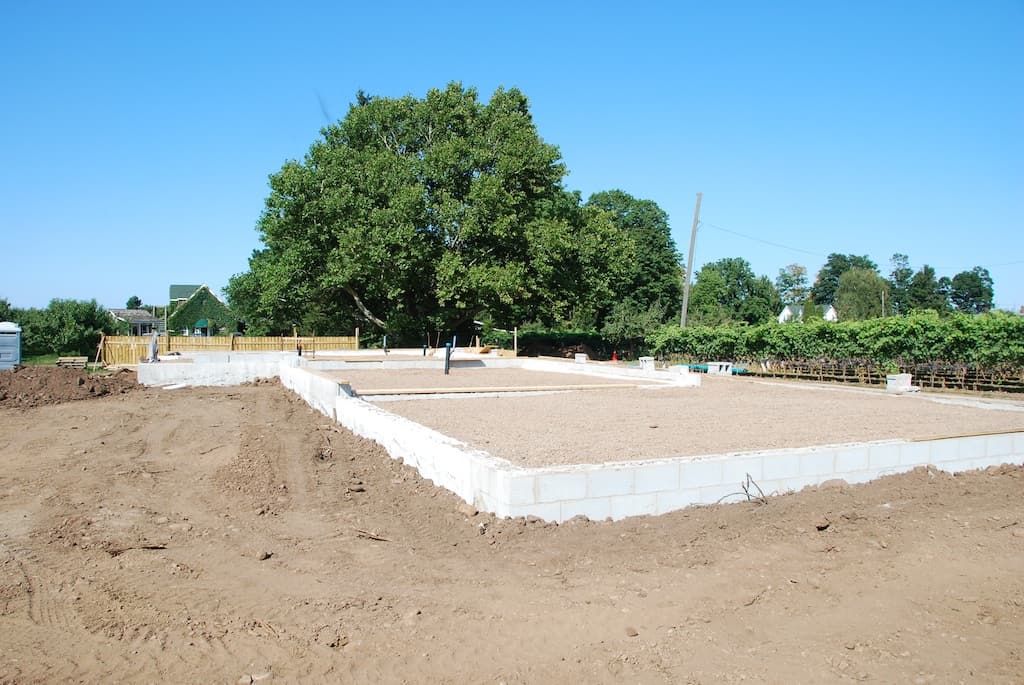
[(70, 327), (413, 215)]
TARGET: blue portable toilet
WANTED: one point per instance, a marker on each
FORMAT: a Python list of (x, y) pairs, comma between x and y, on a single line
[(10, 344)]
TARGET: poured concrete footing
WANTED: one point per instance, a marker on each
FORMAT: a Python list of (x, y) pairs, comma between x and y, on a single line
[(620, 489)]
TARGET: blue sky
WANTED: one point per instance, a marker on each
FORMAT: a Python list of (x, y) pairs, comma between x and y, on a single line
[(137, 138)]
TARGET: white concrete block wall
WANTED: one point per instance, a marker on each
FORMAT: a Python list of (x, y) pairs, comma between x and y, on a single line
[(623, 489), (226, 373)]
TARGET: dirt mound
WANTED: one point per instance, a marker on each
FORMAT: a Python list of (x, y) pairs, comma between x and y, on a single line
[(35, 386)]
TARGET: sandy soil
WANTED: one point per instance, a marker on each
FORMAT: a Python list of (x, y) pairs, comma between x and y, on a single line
[(232, 535), (723, 415)]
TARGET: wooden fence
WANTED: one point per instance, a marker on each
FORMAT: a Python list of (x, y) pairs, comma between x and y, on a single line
[(936, 376), (129, 349)]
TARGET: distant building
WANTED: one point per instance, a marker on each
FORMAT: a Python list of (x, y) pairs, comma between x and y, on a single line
[(795, 312), (201, 312), (140, 321)]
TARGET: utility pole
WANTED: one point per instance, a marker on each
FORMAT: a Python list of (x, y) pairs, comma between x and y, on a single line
[(689, 264)]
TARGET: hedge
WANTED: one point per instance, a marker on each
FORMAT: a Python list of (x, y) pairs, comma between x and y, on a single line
[(989, 340)]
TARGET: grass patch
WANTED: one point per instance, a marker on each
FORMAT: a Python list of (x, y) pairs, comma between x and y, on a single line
[(41, 360)]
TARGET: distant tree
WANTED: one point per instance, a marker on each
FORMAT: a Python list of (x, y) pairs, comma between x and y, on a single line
[(899, 283), (860, 294), (134, 302), (652, 278), (728, 291), (827, 282), (926, 291), (628, 324), (6, 311), (971, 291), (791, 284), (64, 327)]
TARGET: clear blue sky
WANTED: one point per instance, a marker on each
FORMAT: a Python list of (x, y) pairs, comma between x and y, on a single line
[(136, 139)]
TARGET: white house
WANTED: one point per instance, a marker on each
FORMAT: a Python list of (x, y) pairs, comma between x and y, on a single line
[(795, 312)]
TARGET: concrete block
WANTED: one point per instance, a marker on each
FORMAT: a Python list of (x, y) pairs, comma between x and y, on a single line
[(985, 462), (859, 476), (605, 482), (1018, 443), (780, 466), (624, 506), (999, 445), (594, 509), (798, 483), (884, 456), (941, 451), (713, 494), (914, 453), (699, 473), (656, 478), (818, 462), (558, 487), (851, 459), (675, 500), (735, 470), (972, 447), (522, 488)]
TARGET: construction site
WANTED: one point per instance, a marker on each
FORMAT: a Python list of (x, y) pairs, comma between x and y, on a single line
[(415, 517)]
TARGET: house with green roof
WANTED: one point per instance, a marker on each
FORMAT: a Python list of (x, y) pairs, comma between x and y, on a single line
[(180, 293), (198, 311)]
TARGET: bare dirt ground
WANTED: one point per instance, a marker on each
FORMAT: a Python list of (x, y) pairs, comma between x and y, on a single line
[(233, 535), (33, 386), (723, 415)]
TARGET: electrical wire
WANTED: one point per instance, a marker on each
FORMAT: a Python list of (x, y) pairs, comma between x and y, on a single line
[(759, 240)]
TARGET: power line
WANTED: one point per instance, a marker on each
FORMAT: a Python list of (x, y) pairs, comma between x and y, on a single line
[(819, 254), (761, 240)]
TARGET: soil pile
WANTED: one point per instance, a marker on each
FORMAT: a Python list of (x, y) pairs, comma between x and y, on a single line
[(35, 386)]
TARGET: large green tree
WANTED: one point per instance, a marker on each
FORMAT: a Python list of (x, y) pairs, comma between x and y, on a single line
[(64, 327), (652, 278), (827, 282), (422, 214), (727, 291), (792, 284), (861, 294), (899, 284), (927, 291), (972, 291)]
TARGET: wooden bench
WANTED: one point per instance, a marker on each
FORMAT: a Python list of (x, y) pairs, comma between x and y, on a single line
[(72, 362)]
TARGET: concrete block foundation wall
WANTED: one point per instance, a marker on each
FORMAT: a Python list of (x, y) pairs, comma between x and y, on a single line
[(612, 490)]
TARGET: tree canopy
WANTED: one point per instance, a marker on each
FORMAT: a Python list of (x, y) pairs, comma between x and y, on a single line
[(927, 291), (971, 291), (424, 214), (728, 291), (861, 294), (827, 282), (791, 284), (64, 327), (653, 277)]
